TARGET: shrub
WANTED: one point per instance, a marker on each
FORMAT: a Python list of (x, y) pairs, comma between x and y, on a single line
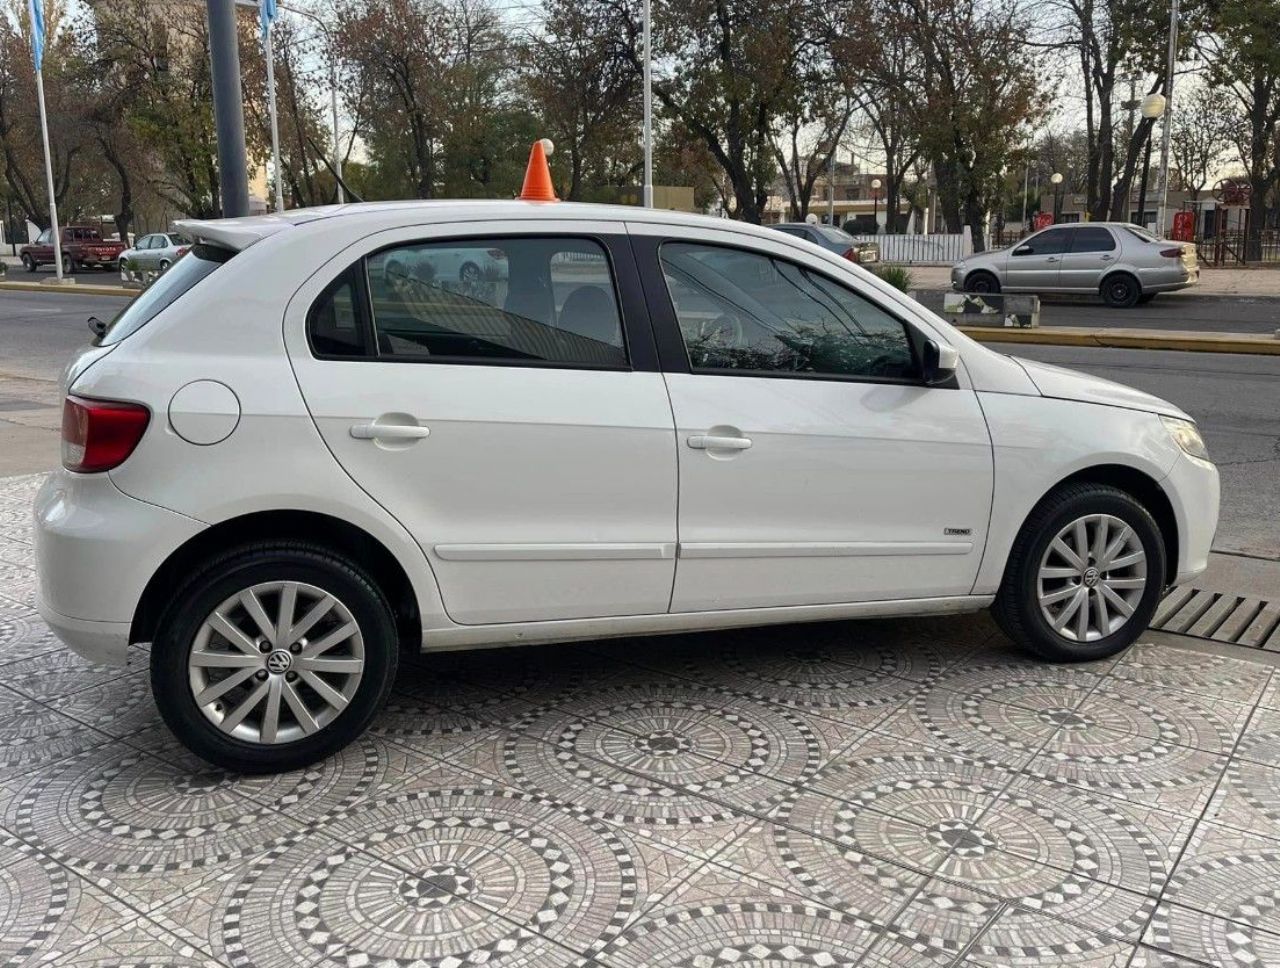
[(897, 276)]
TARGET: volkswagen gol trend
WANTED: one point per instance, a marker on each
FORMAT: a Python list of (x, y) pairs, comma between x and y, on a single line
[(312, 443)]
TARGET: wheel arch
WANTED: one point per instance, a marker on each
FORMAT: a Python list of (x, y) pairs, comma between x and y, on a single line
[(1120, 270), (311, 527), (1141, 486)]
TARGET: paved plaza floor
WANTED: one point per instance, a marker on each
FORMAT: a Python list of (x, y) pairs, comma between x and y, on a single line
[(874, 793)]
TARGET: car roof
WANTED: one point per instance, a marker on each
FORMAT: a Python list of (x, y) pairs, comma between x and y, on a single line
[(240, 233)]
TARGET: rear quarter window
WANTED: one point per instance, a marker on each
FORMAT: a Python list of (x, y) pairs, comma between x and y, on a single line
[(201, 262)]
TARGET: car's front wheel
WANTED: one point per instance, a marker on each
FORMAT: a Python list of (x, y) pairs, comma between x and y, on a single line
[(1085, 575), (273, 656), (981, 282), (28, 262)]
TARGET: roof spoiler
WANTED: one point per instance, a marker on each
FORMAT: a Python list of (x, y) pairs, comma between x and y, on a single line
[(232, 233)]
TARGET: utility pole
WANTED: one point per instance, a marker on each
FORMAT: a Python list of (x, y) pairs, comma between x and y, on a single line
[(228, 108), (1168, 121)]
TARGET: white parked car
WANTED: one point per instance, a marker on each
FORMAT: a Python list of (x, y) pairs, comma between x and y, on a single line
[(284, 466)]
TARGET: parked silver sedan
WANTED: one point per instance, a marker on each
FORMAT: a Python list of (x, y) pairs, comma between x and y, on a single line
[(152, 254), (1122, 263)]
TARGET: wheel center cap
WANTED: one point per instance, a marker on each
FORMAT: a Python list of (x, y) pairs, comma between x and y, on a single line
[(279, 662), (1091, 576)]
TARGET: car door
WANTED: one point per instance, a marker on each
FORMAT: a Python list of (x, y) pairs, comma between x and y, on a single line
[(1092, 251), (42, 248), (815, 466), (143, 258), (1034, 264), (518, 430)]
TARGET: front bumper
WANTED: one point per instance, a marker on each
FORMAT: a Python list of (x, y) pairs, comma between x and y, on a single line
[(96, 549), (1193, 490)]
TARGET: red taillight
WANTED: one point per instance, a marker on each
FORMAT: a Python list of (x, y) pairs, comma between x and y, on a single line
[(98, 435), (182, 249), (850, 255), (1174, 253)]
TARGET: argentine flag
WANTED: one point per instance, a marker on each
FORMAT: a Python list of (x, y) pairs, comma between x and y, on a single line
[(266, 14), (36, 9)]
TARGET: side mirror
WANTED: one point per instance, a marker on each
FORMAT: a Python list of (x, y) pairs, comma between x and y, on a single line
[(97, 327), (939, 361), (1023, 249)]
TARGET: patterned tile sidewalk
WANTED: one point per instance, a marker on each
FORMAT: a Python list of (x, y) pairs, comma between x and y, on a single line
[(910, 793)]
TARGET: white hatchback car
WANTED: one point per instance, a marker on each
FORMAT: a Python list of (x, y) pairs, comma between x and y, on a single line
[(290, 458)]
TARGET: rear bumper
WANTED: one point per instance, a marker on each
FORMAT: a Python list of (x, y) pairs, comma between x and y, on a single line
[(96, 550), (102, 643), (1168, 280)]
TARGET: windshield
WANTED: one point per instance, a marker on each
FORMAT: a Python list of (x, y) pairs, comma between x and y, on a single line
[(185, 273)]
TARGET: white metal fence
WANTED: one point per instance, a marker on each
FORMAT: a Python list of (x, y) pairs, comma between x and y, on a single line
[(922, 249)]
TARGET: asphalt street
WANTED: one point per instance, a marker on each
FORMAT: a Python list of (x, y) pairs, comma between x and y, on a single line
[(1191, 311), (1236, 399)]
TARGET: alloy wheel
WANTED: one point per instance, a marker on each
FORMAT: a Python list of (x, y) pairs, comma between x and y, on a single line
[(1092, 577), (276, 662)]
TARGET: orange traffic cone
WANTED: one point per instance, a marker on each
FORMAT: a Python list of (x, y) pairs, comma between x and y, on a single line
[(537, 177)]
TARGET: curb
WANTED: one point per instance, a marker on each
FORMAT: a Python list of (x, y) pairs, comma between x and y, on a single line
[(1133, 339), (86, 289)]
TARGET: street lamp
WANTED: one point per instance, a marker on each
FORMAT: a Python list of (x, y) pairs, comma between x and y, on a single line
[(1153, 107), (875, 206), (1056, 181)]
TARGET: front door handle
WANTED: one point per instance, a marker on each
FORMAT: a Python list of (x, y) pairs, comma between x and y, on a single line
[(389, 431), (716, 442), (1052, 258)]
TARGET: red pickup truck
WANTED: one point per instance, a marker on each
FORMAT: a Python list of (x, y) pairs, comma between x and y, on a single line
[(82, 245)]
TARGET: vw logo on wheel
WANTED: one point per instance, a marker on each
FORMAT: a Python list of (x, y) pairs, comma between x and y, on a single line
[(1091, 576), (279, 662)]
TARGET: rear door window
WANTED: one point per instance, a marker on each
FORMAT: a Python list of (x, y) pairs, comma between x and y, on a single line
[(201, 262), (533, 301), (1092, 239)]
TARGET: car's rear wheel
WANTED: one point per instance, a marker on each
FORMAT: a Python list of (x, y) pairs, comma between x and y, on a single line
[(981, 282), (1121, 291), (68, 264), (1085, 575), (469, 274), (272, 657), (164, 265), (28, 262)]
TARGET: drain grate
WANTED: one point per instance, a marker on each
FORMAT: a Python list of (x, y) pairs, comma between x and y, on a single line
[(1220, 616)]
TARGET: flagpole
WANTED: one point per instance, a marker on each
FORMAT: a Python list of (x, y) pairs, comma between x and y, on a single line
[(647, 189), (275, 127), (48, 176)]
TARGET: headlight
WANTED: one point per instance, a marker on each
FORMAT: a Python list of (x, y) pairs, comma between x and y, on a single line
[(1187, 436)]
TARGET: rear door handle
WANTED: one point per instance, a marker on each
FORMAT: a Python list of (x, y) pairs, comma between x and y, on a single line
[(387, 431), (715, 442)]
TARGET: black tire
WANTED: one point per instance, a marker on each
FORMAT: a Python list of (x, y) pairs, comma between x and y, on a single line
[(29, 263), (1121, 291), (68, 264), (164, 265), (981, 282), (469, 274), (1017, 608), (224, 577)]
